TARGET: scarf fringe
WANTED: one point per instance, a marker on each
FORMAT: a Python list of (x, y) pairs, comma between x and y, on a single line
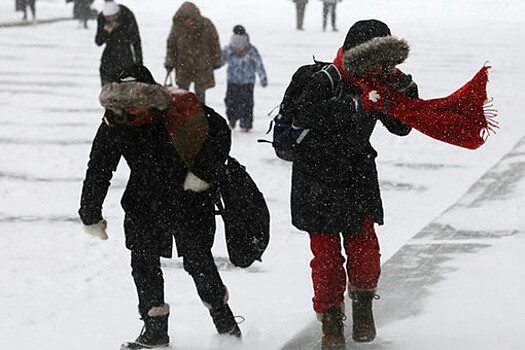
[(490, 115)]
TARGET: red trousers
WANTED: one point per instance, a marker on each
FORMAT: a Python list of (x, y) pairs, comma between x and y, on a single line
[(328, 274)]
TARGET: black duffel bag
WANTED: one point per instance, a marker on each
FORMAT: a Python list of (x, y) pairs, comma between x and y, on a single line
[(245, 215)]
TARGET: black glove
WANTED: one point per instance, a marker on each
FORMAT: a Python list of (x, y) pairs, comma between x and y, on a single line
[(168, 67)]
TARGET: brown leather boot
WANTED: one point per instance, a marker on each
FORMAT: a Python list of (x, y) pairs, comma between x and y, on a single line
[(363, 328), (333, 328)]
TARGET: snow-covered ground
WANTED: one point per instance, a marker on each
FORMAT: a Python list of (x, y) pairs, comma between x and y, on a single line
[(62, 290)]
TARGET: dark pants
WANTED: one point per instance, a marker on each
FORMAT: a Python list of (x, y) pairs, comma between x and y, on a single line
[(300, 8), (149, 281), (329, 8), (21, 5), (239, 104)]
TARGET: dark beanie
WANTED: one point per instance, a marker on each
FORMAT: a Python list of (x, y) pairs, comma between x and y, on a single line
[(238, 29), (134, 73), (362, 31)]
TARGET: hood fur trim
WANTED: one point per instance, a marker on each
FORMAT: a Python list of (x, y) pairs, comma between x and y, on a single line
[(117, 96), (387, 51)]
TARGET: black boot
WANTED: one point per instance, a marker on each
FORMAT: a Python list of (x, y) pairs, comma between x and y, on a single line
[(225, 321), (154, 333), (333, 328), (363, 329)]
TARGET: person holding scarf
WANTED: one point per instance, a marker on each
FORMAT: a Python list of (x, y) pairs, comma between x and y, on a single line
[(335, 190)]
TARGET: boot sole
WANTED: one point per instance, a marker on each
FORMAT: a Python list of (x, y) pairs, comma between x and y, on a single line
[(134, 346), (363, 340), (334, 347)]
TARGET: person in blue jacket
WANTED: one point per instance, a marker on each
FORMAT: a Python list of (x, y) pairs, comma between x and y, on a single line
[(243, 61)]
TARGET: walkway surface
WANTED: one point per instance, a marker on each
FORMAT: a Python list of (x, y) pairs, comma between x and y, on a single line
[(410, 276)]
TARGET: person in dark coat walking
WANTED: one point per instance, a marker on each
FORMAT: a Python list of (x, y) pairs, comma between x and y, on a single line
[(300, 8), (329, 6), (22, 5), (193, 50), (174, 148), (335, 191), (118, 30), (82, 11)]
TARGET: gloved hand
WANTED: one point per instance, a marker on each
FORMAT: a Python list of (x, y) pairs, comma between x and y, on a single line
[(373, 99), (97, 230), (195, 184), (168, 67), (264, 84)]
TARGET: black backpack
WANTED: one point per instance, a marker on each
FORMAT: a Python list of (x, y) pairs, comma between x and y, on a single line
[(245, 215), (286, 137)]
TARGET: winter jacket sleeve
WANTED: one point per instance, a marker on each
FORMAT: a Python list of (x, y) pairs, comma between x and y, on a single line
[(225, 55), (134, 40), (258, 66), (214, 45), (215, 150), (102, 36), (171, 48), (394, 125), (103, 161)]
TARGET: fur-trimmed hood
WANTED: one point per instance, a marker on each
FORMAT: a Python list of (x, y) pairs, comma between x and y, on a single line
[(117, 96), (387, 51)]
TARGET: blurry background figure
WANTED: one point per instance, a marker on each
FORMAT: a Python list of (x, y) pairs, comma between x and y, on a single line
[(243, 62), (118, 29), (82, 11), (329, 6), (300, 6), (21, 5), (193, 50)]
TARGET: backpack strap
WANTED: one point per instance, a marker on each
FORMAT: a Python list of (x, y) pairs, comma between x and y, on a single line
[(333, 74)]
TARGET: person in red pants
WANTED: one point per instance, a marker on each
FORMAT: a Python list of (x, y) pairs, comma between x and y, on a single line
[(335, 193)]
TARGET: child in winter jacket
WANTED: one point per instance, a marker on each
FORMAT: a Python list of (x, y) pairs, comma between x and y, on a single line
[(243, 61)]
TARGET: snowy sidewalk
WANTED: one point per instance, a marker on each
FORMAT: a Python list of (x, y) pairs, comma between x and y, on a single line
[(451, 284)]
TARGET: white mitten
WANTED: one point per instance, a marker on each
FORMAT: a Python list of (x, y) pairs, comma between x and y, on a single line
[(194, 184), (97, 230), (373, 99)]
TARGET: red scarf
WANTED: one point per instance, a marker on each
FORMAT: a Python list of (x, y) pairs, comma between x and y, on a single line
[(462, 118)]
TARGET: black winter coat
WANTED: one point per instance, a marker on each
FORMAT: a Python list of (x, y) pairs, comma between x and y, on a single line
[(334, 175), (123, 46), (155, 204)]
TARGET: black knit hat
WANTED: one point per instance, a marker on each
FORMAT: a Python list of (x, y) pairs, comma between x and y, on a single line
[(238, 29), (135, 73), (362, 31)]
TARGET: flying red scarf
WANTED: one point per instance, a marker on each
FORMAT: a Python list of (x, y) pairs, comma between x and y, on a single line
[(463, 118)]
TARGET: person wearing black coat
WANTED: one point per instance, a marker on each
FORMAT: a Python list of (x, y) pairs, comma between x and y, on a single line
[(170, 192), (82, 11), (335, 188), (22, 5), (118, 30)]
